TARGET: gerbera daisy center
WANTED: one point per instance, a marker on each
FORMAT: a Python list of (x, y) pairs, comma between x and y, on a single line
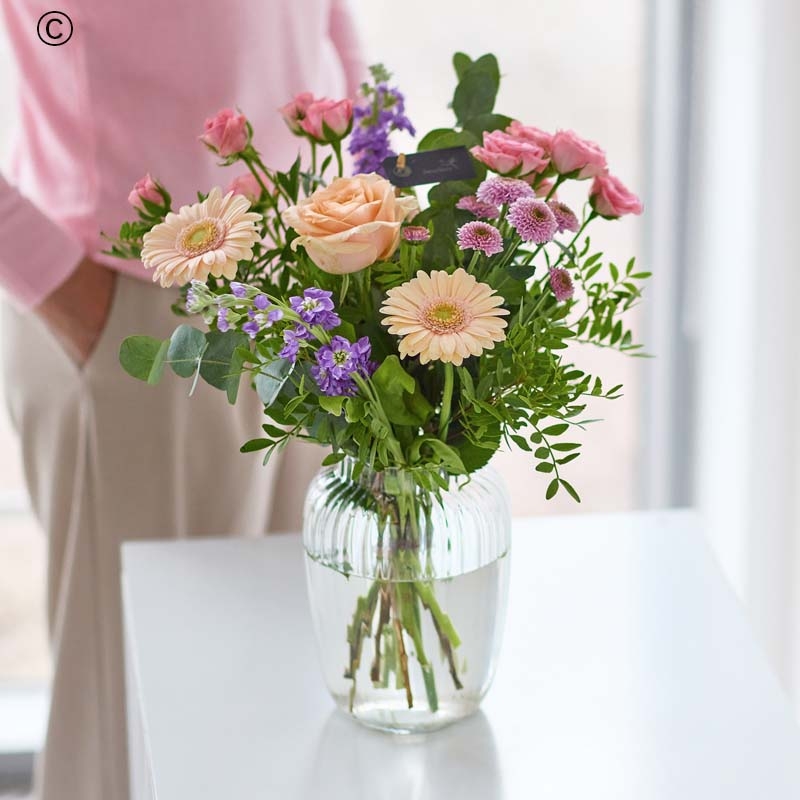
[(200, 237), (444, 317)]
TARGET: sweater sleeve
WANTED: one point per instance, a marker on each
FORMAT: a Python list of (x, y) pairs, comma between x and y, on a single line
[(36, 254), (345, 37)]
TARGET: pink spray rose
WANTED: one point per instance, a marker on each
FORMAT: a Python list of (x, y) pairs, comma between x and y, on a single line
[(611, 198), (145, 189), (246, 185), (510, 155), (335, 114), (569, 152), (226, 132), (531, 134), (294, 112)]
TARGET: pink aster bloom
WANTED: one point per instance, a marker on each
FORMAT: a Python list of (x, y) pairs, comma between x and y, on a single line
[(480, 236), (533, 220), (416, 233), (500, 191), (565, 216), (478, 207), (561, 284)]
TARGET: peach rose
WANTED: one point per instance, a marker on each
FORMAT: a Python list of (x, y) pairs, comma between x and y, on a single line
[(351, 223)]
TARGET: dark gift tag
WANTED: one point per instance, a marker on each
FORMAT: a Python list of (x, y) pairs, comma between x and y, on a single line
[(430, 166)]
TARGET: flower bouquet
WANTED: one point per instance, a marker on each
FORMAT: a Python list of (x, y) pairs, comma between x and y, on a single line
[(413, 343)]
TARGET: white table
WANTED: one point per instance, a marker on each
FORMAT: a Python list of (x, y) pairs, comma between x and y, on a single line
[(628, 672)]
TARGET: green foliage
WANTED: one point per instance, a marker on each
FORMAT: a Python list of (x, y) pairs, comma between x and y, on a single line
[(432, 420), (143, 357)]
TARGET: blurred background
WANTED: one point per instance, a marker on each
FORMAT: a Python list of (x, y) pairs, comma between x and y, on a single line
[(696, 104)]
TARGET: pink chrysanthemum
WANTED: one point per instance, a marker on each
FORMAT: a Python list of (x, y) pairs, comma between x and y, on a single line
[(480, 236), (561, 284), (478, 207), (498, 191), (565, 216), (533, 220), (416, 233)]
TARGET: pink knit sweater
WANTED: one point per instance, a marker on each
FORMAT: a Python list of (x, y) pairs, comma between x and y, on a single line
[(128, 94)]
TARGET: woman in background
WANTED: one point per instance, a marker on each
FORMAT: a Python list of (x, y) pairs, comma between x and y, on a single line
[(107, 458)]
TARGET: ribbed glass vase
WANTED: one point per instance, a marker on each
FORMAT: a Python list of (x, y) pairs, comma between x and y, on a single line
[(408, 591)]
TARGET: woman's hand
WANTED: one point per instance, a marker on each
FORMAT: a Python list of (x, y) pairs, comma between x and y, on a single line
[(78, 310)]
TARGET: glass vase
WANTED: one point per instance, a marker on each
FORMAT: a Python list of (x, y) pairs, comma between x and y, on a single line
[(407, 587)]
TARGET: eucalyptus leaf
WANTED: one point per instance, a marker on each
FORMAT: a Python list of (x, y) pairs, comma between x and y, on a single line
[(143, 357), (186, 348), (270, 379)]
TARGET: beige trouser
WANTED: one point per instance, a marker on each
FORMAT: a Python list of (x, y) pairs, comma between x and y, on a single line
[(108, 459)]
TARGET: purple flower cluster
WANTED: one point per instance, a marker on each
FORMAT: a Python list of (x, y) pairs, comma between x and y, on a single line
[(382, 112), (533, 220), (315, 307), (338, 361), (561, 284), (480, 236), (259, 318), (498, 191)]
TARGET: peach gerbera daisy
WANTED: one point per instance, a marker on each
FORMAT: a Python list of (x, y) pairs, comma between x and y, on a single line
[(207, 238), (443, 317)]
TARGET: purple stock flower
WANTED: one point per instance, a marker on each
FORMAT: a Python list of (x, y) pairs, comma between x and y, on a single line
[(315, 307), (381, 112), (480, 236), (292, 339), (261, 301), (533, 220), (222, 320), (338, 361), (259, 321), (238, 289)]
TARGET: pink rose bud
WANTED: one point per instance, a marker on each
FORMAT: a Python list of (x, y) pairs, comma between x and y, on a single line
[(610, 198), (509, 155), (294, 112), (336, 115), (226, 132), (531, 134), (246, 185), (145, 189), (569, 152)]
